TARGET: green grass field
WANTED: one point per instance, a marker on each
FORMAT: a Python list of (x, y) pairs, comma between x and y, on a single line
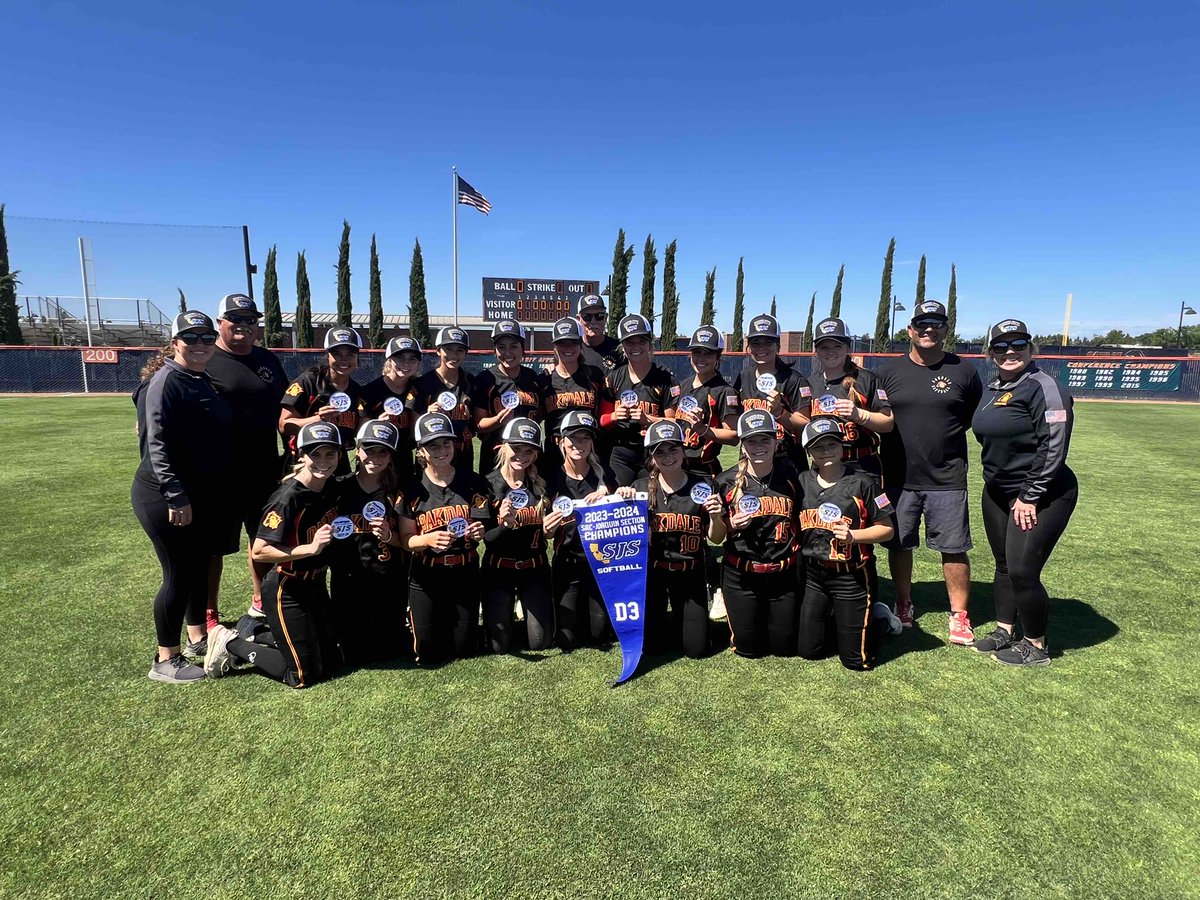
[(939, 774)]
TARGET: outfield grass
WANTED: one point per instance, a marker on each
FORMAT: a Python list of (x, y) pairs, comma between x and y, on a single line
[(939, 774)]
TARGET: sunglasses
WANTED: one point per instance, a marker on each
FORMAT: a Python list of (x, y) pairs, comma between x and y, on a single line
[(594, 317), (928, 323), (241, 320), (191, 338), (1003, 346)]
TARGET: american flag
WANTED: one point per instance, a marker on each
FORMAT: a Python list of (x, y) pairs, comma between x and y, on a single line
[(472, 197)]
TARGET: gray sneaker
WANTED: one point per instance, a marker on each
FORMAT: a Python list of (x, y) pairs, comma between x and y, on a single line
[(217, 661), (883, 611), (175, 670), (196, 649)]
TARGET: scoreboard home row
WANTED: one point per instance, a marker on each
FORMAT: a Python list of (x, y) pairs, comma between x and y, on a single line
[(533, 299)]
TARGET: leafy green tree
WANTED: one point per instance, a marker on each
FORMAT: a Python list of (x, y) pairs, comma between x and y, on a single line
[(920, 280), (649, 264), (304, 329), (951, 308), (10, 314), (808, 326), (835, 308), (375, 327), (739, 310), (273, 334), (708, 310), (883, 311), (182, 300), (343, 278), (619, 284), (418, 309), (670, 314)]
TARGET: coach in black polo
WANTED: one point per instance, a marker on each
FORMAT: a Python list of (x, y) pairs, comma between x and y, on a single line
[(933, 396), (600, 349)]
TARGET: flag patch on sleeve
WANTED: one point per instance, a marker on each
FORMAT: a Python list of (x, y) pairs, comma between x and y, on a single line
[(1056, 416), (882, 501), (674, 390), (881, 394)]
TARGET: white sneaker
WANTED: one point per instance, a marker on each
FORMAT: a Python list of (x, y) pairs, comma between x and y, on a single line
[(520, 610), (217, 661), (717, 613), (883, 611)]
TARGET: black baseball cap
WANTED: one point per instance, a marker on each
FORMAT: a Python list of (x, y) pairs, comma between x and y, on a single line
[(831, 328), (567, 329), (238, 304), (342, 337), (634, 325), (508, 328), (577, 420), (817, 429), (314, 434), (763, 325), (590, 301), (431, 427), (402, 345), (929, 309), (666, 431), (380, 432), (521, 431), (451, 335), (706, 337), (1008, 330), (755, 421), (192, 320)]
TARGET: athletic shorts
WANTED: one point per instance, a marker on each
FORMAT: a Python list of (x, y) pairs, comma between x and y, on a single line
[(947, 521)]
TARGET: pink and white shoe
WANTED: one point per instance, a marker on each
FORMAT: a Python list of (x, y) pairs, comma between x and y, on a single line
[(960, 629), (904, 612), (256, 609)]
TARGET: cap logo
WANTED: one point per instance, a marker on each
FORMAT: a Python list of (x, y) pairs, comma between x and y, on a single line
[(756, 421), (564, 328), (322, 431), (528, 432), (435, 425), (506, 326), (458, 335), (705, 335), (587, 419), (632, 325), (928, 307), (821, 426), (828, 327), (1009, 325), (665, 431), (381, 431), (244, 304), (341, 335), (761, 325), (195, 319)]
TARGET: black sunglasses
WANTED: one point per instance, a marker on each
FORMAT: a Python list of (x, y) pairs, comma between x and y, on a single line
[(594, 317), (191, 338), (1002, 346), (928, 323), (241, 320)]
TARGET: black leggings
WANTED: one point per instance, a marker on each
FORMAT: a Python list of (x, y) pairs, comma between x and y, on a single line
[(367, 612), (1021, 555), (582, 615), (847, 595), (532, 588), (296, 613), (761, 610), (443, 610), (686, 625), (628, 463), (184, 552)]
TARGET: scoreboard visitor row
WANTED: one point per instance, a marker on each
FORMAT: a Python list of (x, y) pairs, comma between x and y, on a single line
[(534, 299)]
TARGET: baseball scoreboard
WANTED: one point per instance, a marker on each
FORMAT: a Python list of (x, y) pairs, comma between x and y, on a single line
[(1121, 375), (533, 299)]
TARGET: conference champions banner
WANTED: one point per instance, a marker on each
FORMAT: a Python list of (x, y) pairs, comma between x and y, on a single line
[(615, 534)]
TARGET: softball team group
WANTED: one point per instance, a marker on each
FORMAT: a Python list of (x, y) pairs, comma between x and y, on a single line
[(382, 541)]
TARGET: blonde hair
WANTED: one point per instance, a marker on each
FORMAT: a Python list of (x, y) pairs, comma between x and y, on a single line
[(154, 363), (389, 478), (504, 455), (593, 460)]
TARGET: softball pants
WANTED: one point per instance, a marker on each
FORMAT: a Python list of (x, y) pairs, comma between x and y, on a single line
[(443, 610), (686, 624), (296, 611), (582, 616), (533, 588), (762, 611), (846, 594)]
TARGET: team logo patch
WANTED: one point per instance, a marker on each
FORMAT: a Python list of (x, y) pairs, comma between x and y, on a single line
[(374, 510), (1056, 416), (756, 421), (196, 319), (632, 326), (343, 527), (1003, 399), (447, 400), (342, 336), (457, 335), (434, 425), (762, 325), (528, 432), (689, 405), (829, 512), (458, 526), (823, 426), (294, 389), (244, 304), (587, 419), (507, 326), (706, 336), (510, 400), (701, 492), (273, 520), (565, 328), (564, 506), (393, 406), (339, 401), (629, 398), (382, 432), (828, 327), (518, 499), (940, 384), (1009, 325), (322, 432), (749, 504), (665, 431)]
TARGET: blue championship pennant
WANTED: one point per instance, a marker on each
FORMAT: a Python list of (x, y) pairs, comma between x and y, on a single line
[(615, 534)]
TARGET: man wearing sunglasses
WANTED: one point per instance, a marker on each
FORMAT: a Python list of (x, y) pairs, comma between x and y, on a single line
[(252, 380), (933, 396), (599, 348)]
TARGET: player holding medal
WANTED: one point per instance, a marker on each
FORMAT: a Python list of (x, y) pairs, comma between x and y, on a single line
[(708, 407), (842, 513), (443, 517), (685, 513), (506, 390), (570, 384), (759, 575), (393, 396), (294, 533), (514, 562), (771, 384), (636, 395), (368, 575), (324, 393), (581, 615), (447, 390)]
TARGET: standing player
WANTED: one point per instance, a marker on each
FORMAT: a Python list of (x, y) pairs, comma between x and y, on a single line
[(600, 349), (933, 396), (325, 393), (636, 395), (1024, 427), (504, 391), (708, 407), (392, 395), (252, 379), (515, 560), (759, 573), (842, 513), (293, 536), (442, 519), (768, 383), (447, 390), (581, 614), (685, 513), (569, 385)]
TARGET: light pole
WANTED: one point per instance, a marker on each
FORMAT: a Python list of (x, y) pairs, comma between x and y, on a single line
[(1184, 310), (897, 306)]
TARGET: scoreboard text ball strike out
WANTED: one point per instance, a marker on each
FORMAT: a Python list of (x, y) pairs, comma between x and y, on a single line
[(533, 299)]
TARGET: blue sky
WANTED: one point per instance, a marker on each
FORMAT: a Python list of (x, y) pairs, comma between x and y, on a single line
[(1043, 148)]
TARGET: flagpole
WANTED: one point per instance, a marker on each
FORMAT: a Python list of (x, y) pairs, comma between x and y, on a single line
[(454, 207)]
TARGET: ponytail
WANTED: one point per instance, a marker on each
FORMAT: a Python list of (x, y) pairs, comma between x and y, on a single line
[(652, 489), (739, 482), (850, 381), (154, 363)]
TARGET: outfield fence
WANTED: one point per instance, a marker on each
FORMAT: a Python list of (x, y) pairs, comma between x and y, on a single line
[(69, 370)]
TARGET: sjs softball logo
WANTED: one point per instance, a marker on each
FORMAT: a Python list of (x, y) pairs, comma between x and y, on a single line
[(614, 551)]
